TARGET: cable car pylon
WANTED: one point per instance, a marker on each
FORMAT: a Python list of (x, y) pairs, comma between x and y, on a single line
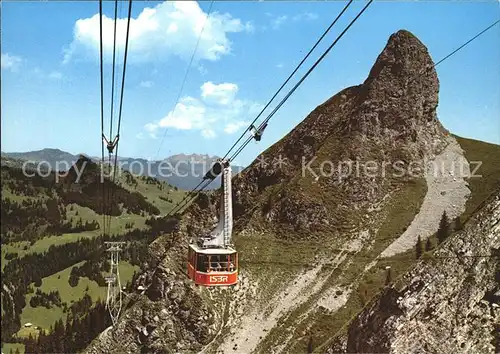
[(212, 259), (114, 294)]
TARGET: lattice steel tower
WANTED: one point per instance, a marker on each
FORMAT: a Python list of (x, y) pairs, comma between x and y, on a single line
[(114, 295)]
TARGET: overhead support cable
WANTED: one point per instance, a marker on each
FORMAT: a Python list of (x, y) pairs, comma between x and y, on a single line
[(103, 209), (110, 145), (186, 74), (318, 41), (113, 72), (121, 96), (466, 43), (113, 301), (325, 53), (190, 196)]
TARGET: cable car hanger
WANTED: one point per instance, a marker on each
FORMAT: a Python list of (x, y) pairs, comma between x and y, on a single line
[(110, 145), (257, 132)]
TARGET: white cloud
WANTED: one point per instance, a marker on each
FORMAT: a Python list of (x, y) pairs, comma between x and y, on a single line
[(307, 16), (216, 109), (55, 75), (222, 93), (235, 126), (311, 16), (278, 21), (10, 62), (170, 28), (151, 129), (279, 66), (14, 63), (146, 84), (208, 133), (188, 114)]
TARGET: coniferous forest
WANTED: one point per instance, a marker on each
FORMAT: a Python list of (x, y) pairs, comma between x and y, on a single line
[(36, 207)]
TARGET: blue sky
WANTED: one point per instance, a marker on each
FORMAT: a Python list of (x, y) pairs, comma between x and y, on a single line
[(50, 69)]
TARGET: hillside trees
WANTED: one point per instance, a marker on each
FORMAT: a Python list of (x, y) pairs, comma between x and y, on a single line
[(457, 224), (46, 300), (444, 228), (91, 197), (428, 245), (90, 269), (19, 273), (35, 218), (83, 324), (418, 248), (44, 213)]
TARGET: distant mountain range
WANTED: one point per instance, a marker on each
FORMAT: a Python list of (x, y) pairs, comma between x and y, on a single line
[(182, 170)]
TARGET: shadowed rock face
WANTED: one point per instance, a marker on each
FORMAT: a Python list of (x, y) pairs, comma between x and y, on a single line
[(170, 314), (390, 116), (400, 96), (449, 305)]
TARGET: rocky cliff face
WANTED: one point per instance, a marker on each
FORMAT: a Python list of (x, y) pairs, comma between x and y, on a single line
[(390, 117), (167, 313), (446, 304), (306, 228)]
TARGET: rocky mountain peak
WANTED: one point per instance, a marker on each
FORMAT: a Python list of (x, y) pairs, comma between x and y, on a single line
[(401, 91), (83, 161), (195, 158), (84, 169), (390, 117), (405, 56)]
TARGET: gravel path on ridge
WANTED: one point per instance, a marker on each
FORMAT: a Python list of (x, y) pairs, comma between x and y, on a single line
[(447, 190)]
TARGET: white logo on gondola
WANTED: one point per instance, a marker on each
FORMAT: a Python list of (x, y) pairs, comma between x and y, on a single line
[(218, 278)]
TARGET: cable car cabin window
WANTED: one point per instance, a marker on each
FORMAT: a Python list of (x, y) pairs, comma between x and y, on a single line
[(223, 262), (233, 264), (202, 263), (217, 263), (192, 257)]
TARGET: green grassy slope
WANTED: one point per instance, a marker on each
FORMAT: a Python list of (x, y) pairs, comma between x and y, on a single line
[(288, 255), (7, 347), (42, 317), (370, 284), (486, 158), (158, 194)]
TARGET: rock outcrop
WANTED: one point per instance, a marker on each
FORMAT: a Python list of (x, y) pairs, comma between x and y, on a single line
[(391, 117), (448, 304), (167, 313)]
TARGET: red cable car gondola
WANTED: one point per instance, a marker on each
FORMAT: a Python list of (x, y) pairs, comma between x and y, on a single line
[(212, 260), (213, 266)]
